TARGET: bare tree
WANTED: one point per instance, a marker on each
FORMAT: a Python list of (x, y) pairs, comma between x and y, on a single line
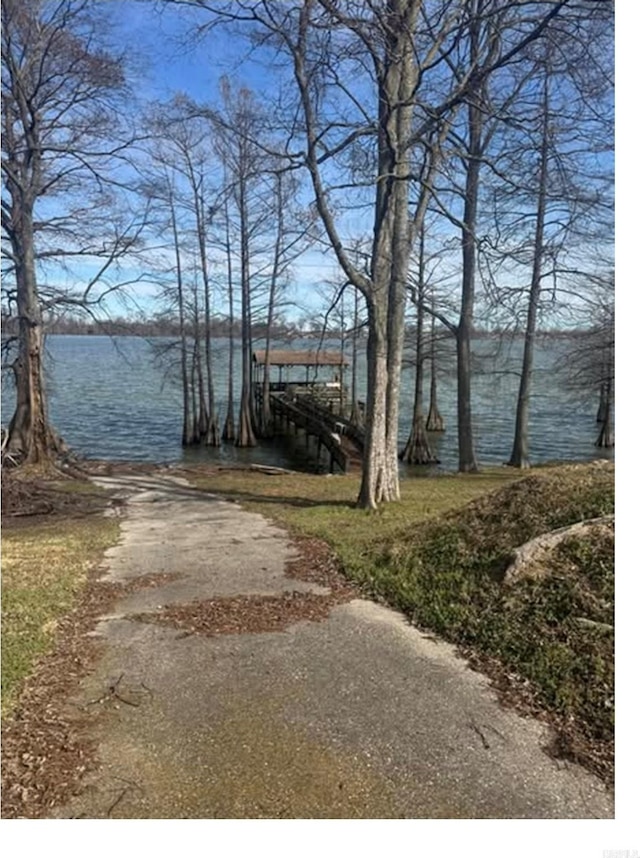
[(520, 452), (187, 146), (556, 200), (187, 422), (435, 421), (290, 230), (588, 364), (179, 179), (229, 430), (314, 38), (355, 415), (417, 450), (605, 349), (61, 96), (478, 58), (365, 139), (237, 127)]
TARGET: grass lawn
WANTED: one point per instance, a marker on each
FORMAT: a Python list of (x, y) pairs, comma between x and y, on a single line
[(44, 569), (324, 506), (440, 554)]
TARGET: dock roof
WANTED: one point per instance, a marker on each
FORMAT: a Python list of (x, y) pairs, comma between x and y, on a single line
[(297, 357)]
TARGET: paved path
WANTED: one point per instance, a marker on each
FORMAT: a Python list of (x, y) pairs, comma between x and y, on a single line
[(356, 716)]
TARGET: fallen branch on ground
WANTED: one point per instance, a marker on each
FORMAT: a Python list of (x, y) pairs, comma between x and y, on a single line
[(527, 558)]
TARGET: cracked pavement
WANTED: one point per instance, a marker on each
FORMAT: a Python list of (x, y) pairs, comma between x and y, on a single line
[(358, 715)]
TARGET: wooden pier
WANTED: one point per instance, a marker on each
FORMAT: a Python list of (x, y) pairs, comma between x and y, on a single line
[(314, 405)]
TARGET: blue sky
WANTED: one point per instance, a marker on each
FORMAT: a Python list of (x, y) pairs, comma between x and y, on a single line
[(165, 60), (156, 49)]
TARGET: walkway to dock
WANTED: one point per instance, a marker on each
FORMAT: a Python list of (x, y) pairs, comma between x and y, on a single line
[(343, 441), (234, 689)]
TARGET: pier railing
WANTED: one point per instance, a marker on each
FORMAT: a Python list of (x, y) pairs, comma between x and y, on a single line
[(304, 414)]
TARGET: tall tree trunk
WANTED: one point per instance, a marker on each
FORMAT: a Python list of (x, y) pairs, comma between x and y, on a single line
[(30, 437), (212, 434), (374, 486), (266, 419), (520, 451), (605, 437), (343, 351), (602, 404), (356, 414), (466, 453), (229, 430), (187, 430), (201, 416), (246, 434), (417, 450), (391, 251), (435, 421), (195, 430), (385, 289)]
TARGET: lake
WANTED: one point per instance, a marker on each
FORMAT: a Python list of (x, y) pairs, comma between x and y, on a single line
[(111, 399)]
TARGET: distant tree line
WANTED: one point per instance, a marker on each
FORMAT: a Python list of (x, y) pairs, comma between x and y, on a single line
[(223, 326), (156, 326)]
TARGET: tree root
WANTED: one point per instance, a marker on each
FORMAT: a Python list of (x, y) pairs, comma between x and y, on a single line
[(529, 559)]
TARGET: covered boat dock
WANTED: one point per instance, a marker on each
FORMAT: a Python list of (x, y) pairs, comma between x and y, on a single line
[(308, 394)]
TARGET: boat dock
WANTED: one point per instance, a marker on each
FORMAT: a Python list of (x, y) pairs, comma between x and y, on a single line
[(314, 405)]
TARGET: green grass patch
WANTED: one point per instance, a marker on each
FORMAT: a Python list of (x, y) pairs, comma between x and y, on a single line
[(324, 506), (440, 555), (447, 575), (44, 569)]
